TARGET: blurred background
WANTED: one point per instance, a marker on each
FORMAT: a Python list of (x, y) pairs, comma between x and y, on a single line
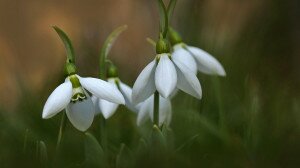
[(257, 42)]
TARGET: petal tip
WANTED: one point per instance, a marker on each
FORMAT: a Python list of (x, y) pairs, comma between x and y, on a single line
[(44, 116)]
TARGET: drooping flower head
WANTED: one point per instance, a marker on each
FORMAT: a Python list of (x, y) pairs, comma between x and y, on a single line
[(74, 94), (107, 108), (195, 58), (164, 74)]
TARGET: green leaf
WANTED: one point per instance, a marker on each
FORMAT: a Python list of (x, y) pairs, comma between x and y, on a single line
[(107, 47), (212, 129), (188, 143), (67, 42), (94, 154), (43, 155), (171, 8), (142, 147), (169, 136), (158, 149), (124, 158), (25, 140), (158, 140)]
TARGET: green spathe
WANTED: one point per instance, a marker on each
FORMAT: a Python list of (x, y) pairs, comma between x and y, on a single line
[(70, 69)]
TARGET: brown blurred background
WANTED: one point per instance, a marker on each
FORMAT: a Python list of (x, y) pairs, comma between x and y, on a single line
[(31, 53)]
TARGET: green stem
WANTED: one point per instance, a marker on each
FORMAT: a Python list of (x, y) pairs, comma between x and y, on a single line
[(102, 68), (60, 132), (164, 20), (216, 84), (103, 133), (156, 109)]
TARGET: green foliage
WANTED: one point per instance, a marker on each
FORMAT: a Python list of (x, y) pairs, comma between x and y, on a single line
[(94, 154)]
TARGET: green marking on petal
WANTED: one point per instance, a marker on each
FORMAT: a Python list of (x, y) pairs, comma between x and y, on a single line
[(77, 91)]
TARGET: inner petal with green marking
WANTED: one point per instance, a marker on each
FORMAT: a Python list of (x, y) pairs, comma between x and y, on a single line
[(77, 91)]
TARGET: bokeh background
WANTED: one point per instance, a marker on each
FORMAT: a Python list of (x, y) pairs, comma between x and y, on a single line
[(257, 41)]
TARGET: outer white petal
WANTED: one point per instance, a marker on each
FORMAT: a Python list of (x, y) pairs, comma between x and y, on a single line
[(107, 108), (144, 111), (165, 111), (206, 62), (127, 93), (96, 101), (81, 114), (58, 100), (187, 80), (102, 89), (165, 76), (144, 85), (185, 57)]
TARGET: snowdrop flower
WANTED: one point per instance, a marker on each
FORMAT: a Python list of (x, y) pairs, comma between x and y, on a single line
[(72, 95), (164, 74), (193, 57), (107, 108), (146, 111)]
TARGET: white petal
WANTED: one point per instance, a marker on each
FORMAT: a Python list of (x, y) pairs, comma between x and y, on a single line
[(127, 93), (165, 76), (185, 58), (96, 101), (187, 80), (144, 85), (107, 108), (102, 89), (144, 112), (206, 62), (165, 111), (81, 114), (58, 100)]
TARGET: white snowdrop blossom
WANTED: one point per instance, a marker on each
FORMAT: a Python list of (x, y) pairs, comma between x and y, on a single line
[(107, 108), (198, 59), (72, 95), (165, 74), (146, 111), (193, 57)]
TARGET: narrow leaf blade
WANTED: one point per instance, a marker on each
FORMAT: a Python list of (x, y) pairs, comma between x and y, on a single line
[(94, 153), (124, 158)]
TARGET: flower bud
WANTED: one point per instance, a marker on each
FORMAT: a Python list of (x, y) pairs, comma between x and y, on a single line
[(162, 46), (174, 37)]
